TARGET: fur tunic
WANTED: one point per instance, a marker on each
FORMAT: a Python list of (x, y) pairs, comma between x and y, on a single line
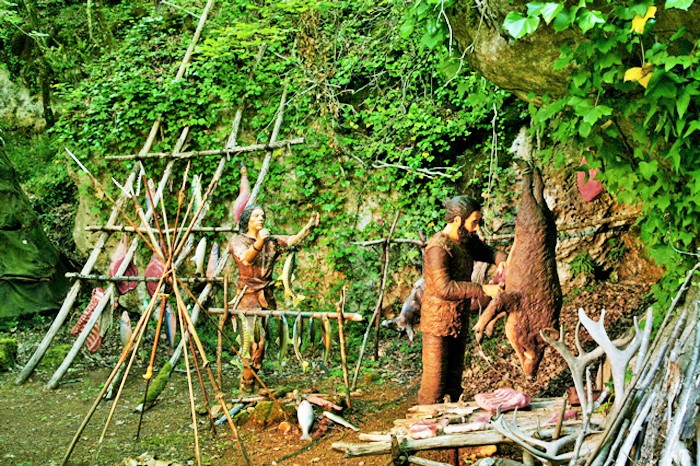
[(447, 269)]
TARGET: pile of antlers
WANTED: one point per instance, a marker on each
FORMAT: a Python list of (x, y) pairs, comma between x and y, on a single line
[(656, 395)]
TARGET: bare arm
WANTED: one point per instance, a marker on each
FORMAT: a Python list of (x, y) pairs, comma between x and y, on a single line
[(304, 232)]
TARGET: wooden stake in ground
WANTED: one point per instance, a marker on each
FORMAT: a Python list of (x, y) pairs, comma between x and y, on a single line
[(378, 307), (341, 339)]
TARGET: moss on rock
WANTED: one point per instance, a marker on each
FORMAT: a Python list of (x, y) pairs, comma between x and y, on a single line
[(54, 357), (8, 353)]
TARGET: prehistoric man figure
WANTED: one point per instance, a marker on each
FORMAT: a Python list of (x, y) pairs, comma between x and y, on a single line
[(255, 252), (447, 269)]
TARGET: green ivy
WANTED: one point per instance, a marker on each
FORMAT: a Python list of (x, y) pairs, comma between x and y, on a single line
[(632, 101)]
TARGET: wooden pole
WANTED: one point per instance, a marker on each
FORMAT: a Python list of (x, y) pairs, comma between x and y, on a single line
[(472, 439), (219, 340), (378, 307), (111, 278), (149, 372), (129, 229), (341, 339), (205, 153), (268, 156), (279, 313)]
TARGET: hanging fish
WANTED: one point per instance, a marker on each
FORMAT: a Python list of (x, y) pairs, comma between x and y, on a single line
[(339, 420), (196, 193), (151, 194), (283, 332), (246, 337), (305, 416), (170, 324), (312, 332), (199, 254), (117, 258), (154, 269), (287, 272), (213, 260), (243, 195), (125, 330), (327, 336), (296, 338)]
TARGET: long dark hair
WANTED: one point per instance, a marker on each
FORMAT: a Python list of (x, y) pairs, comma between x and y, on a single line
[(460, 206), (245, 217)]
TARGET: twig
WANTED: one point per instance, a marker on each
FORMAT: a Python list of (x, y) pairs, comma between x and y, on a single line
[(378, 307), (228, 151)]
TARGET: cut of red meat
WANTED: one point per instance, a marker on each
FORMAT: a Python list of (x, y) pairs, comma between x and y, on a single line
[(506, 399), (591, 189)]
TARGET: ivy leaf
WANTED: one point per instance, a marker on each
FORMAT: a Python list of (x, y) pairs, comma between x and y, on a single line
[(518, 25), (562, 21), (648, 169), (682, 103), (680, 4), (548, 10), (589, 19), (596, 113), (692, 127), (406, 29), (638, 22)]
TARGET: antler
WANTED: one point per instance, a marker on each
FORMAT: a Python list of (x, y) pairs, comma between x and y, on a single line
[(619, 359), (577, 364), (551, 448)]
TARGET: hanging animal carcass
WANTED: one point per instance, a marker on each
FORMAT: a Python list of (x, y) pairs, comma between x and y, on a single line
[(532, 297)]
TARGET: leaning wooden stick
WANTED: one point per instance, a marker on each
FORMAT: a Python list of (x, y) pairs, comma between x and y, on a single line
[(378, 307), (149, 371), (204, 390), (219, 341), (191, 335), (127, 348), (341, 339), (184, 329)]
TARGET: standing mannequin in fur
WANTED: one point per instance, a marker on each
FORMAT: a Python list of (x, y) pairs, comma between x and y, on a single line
[(447, 269)]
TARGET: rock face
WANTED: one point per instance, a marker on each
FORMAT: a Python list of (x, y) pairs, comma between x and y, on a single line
[(525, 65), (18, 109)]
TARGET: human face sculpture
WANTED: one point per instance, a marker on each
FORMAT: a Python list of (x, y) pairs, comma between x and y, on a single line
[(470, 227), (256, 221)]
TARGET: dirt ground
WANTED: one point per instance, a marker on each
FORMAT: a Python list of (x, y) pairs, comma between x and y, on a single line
[(39, 424)]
